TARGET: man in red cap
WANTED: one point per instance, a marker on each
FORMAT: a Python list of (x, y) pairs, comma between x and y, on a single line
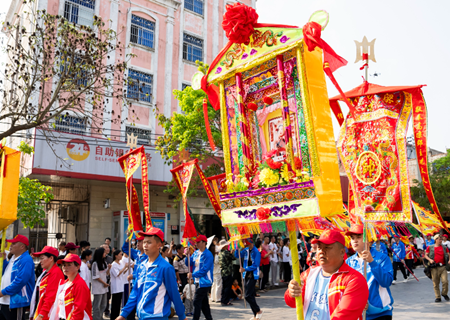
[(203, 262), (445, 241), (379, 274), (17, 280), (429, 240), (331, 290), (156, 287), (438, 256), (71, 248)]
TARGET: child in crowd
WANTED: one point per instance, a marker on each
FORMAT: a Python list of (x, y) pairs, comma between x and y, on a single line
[(188, 296), (237, 292)]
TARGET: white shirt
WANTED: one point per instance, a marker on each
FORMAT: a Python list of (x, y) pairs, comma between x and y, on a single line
[(446, 243), (116, 279), (85, 273), (419, 243), (187, 293), (62, 306), (124, 275), (6, 279), (274, 248), (98, 287), (286, 254)]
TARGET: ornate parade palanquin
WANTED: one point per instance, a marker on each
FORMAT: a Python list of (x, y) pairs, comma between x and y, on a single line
[(278, 140)]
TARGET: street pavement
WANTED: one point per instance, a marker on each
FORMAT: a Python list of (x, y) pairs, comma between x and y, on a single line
[(413, 300)]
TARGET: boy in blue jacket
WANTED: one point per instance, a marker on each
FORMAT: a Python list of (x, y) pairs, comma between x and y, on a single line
[(380, 246), (398, 257), (203, 262), (250, 271), (17, 281), (379, 275), (155, 287)]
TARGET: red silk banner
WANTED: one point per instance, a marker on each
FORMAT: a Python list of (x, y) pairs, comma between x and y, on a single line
[(218, 183), (336, 108), (420, 135), (130, 162), (214, 201), (182, 176)]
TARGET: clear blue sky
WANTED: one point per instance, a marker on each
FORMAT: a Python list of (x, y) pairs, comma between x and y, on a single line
[(412, 46)]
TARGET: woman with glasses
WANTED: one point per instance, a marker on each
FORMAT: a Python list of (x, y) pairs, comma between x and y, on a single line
[(47, 284)]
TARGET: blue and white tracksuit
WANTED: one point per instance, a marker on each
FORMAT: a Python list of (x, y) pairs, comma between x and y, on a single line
[(379, 278), (429, 242), (399, 251), (256, 260), (383, 248), (22, 281), (154, 291), (203, 263), (135, 255)]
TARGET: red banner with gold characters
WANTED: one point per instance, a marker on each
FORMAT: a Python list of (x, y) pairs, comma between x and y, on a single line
[(129, 163), (214, 201), (372, 147), (182, 176), (420, 137)]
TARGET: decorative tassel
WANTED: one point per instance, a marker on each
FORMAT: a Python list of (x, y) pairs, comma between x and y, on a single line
[(208, 128)]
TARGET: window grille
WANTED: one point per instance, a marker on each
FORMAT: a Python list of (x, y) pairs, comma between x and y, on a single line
[(194, 5), (143, 135), (139, 86), (80, 11), (75, 72), (192, 48), (184, 86), (70, 124), (142, 31)]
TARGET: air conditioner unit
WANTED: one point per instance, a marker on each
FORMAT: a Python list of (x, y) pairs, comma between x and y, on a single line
[(63, 213), (72, 216)]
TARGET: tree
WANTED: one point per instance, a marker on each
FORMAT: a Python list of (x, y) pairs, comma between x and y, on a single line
[(55, 67), (185, 135), (440, 182), (30, 206)]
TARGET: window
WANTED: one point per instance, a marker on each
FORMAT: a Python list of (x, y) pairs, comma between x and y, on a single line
[(70, 124), (194, 5), (184, 86), (192, 48), (80, 11), (73, 70), (139, 86), (142, 31), (143, 135)]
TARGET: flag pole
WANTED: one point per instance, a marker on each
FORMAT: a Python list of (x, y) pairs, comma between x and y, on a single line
[(242, 277)]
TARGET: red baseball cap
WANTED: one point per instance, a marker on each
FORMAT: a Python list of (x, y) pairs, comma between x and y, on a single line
[(201, 238), (378, 235), (138, 238), (71, 246), (47, 249), (19, 238), (445, 235), (329, 237), (152, 231), (355, 229), (70, 258), (429, 235)]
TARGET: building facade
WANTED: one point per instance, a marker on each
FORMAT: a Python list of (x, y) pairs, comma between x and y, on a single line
[(167, 37)]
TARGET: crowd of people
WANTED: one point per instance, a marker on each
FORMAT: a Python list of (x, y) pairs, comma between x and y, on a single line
[(153, 279)]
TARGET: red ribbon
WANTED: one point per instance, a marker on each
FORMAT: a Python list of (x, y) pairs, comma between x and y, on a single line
[(365, 56), (207, 127)]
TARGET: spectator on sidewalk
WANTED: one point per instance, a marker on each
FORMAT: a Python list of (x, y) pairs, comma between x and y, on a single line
[(62, 248), (236, 291), (17, 281), (100, 269), (71, 248), (286, 254), (273, 247), (399, 254), (226, 270), (116, 272), (47, 284), (438, 257), (445, 241), (188, 296), (379, 274), (109, 260), (181, 269), (349, 288), (108, 243), (203, 262), (264, 265), (250, 271), (85, 272), (216, 289), (84, 245)]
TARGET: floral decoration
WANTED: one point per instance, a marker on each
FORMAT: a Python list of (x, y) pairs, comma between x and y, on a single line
[(263, 213)]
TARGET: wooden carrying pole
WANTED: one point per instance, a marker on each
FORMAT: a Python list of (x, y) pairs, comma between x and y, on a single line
[(295, 265), (2, 250), (242, 277)]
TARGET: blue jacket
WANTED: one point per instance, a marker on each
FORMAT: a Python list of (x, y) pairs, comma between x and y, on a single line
[(203, 263), (429, 242), (399, 251), (256, 261), (135, 255), (379, 278), (155, 289), (383, 248), (22, 281)]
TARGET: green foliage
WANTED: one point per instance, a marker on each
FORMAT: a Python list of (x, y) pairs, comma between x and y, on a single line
[(185, 135), (440, 182), (30, 207), (25, 148)]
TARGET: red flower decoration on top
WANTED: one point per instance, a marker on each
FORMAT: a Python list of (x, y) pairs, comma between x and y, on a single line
[(239, 22), (298, 163), (263, 213), (273, 165)]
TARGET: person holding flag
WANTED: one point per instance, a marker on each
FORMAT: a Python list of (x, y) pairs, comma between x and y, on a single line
[(399, 254), (410, 257), (155, 286), (203, 262), (379, 274)]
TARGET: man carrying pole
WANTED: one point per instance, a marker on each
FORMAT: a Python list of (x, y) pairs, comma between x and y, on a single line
[(399, 258), (379, 274)]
